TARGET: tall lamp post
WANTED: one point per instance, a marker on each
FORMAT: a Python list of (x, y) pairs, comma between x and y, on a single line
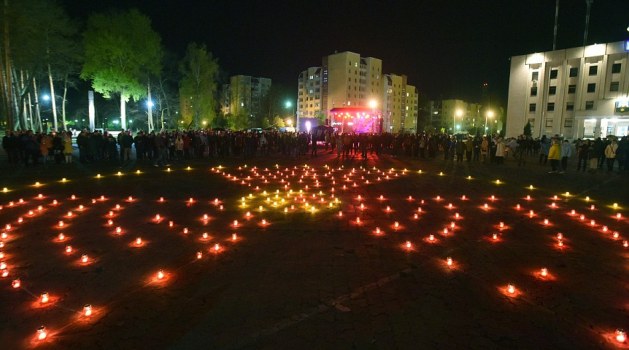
[(289, 105), (488, 114), (457, 114)]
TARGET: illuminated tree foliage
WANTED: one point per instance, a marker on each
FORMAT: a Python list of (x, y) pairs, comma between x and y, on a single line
[(121, 51), (198, 87)]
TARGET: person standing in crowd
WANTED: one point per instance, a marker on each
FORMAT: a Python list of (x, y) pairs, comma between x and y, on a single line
[(67, 147), (543, 150), (554, 155), (484, 148), (566, 152), (45, 144), (610, 154), (500, 151), (583, 154)]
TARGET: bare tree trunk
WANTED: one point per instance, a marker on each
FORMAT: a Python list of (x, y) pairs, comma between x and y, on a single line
[(24, 101), (149, 105), (17, 102), (64, 99), (37, 109), (8, 84), (53, 99), (30, 110), (123, 111), (164, 100)]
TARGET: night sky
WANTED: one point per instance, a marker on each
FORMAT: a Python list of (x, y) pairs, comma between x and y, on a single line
[(446, 48)]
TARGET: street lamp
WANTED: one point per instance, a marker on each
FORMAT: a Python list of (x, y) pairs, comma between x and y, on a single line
[(458, 113), (288, 104), (488, 114)]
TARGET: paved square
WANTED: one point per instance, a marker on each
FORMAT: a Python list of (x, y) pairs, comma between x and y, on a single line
[(317, 253)]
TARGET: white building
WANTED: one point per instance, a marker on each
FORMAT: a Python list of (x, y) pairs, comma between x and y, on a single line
[(580, 92), (347, 80)]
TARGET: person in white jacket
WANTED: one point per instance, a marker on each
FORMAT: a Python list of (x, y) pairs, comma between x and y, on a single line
[(566, 152)]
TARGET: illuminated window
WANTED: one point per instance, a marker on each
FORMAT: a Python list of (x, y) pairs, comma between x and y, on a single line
[(614, 86), (616, 68), (574, 71), (593, 70), (591, 87)]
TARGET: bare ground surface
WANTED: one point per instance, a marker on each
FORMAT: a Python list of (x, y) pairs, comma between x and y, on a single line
[(315, 280)]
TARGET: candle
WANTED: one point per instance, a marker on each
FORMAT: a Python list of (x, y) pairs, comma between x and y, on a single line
[(160, 274), (511, 289), (68, 249), (87, 310), (84, 259), (61, 237), (543, 272), (234, 236), (408, 245), (559, 236), (621, 336), (494, 236), (44, 298), (431, 238), (138, 241), (217, 247), (16, 283), (41, 333), (199, 255), (449, 261), (185, 230)]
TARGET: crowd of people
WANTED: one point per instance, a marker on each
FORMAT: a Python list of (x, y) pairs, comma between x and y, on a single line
[(162, 148)]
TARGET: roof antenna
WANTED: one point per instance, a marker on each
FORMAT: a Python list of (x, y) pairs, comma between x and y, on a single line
[(556, 24), (588, 3)]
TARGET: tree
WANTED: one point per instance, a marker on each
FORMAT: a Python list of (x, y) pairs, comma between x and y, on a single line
[(121, 52), (198, 86), (527, 130)]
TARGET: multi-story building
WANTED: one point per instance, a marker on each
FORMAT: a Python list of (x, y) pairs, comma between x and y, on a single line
[(400, 104), (309, 93), (454, 115), (580, 92), (346, 79), (245, 95)]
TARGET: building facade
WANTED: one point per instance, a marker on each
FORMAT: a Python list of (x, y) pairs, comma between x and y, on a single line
[(245, 95), (455, 116), (580, 92), (400, 104), (347, 80)]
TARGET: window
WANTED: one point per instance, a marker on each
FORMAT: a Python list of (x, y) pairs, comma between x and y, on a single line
[(567, 123), (549, 123), (572, 89), (533, 90), (570, 106), (593, 70), (534, 76), (553, 73), (614, 86), (591, 87), (532, 107), (551, 106), (616, 68), (552, 90), (589, 105), (574, 71)]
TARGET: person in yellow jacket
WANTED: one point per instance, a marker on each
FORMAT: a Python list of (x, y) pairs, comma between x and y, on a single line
[(554, 155), (610, 154), (67, 147)]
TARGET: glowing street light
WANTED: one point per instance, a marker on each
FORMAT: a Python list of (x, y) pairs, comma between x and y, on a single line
[(489, 114), (457, 114)]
